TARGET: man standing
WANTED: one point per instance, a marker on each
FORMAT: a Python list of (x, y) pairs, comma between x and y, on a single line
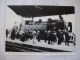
[(66, 38), (46, 36), (60, 36), (38, 35), (7, 32), (34, 35)]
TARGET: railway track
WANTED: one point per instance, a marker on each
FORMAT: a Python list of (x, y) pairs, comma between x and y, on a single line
[(17, 47)]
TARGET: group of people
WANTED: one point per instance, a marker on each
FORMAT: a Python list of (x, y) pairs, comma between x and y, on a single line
[(49, 36)]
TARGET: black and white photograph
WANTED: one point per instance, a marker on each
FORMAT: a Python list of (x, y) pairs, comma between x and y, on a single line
[(40, 28)]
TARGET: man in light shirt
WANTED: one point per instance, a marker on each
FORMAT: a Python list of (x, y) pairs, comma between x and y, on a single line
[(34, 35)]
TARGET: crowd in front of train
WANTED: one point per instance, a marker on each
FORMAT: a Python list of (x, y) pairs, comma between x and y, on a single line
[(49, 36)]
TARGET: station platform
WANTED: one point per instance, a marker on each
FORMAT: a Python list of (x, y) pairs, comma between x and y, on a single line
[(44, 45)]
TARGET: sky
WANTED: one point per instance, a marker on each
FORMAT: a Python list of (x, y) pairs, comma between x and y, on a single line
[(12, 17)]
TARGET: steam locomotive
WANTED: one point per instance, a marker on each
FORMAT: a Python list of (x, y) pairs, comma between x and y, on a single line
[(48, 25)]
